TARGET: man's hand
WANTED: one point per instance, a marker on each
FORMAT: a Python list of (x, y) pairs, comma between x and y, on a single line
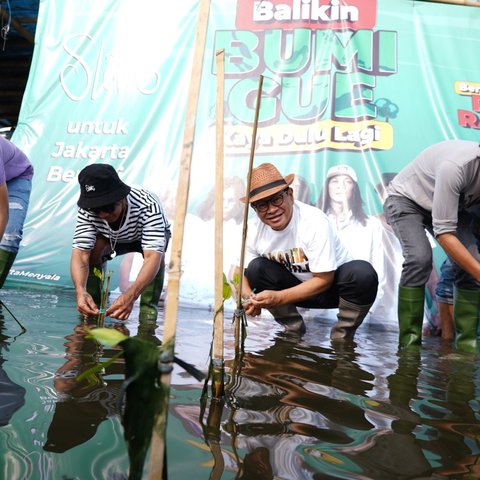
[(85, 304), (122, 306), (266, 299)]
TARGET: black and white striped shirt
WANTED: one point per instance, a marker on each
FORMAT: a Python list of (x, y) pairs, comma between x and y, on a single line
[(145, 221)]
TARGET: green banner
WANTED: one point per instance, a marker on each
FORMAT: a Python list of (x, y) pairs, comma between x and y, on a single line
[(362, 83)]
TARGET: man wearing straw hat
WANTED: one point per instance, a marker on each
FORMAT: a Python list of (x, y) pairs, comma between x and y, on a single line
[(114, 219), (295, 259)]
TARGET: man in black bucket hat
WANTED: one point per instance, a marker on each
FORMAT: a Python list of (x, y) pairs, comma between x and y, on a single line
[(114, 219), (295, 259)]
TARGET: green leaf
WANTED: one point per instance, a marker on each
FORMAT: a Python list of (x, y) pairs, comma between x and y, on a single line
[(98, 273), (106, 336), (227, 289)]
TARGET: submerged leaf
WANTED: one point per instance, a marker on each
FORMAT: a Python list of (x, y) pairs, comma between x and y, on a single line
[(106, 336), (90, 375)]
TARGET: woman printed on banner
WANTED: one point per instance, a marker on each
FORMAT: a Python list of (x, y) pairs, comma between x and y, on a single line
[(362, 234)]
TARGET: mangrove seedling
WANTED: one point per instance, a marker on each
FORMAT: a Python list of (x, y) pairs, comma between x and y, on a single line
[(105, 286)]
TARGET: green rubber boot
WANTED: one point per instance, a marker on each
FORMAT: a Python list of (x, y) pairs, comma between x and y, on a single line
[(94, 284), (410, 315), (6, 261), (151, 295), (466, 305)]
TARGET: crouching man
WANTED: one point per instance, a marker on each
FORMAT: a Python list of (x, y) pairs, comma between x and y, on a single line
[(114, 219), (295, 259)]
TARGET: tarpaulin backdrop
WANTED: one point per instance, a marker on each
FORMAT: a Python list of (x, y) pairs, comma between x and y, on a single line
[(362, 83)]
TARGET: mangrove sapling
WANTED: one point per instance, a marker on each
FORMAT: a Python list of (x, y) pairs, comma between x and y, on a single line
[(216, 370), (105, 286)]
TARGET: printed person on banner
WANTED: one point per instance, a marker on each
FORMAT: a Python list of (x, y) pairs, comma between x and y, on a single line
[(438, 191), (361, 234), (294, 259), (114, 219), (16, 173)]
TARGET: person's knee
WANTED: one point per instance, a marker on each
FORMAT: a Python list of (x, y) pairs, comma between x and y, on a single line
[(420, 257), (367, 278), (255, 269), (11, 241), (359, 282)]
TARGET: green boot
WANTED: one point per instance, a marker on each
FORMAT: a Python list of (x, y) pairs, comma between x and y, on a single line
[(94, 284), (6, 261), (151, 295), (466, 305), (410, 315)]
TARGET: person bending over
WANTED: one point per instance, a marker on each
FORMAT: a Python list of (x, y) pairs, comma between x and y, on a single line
[(438, 191), (114, 219)]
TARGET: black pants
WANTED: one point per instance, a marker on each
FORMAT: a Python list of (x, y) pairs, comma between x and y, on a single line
[(355, 281)]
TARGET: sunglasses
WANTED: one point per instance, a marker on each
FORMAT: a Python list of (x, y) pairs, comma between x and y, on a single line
[(277, 200), (110, 208)]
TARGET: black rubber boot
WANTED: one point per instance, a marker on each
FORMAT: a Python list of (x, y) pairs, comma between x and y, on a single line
[(350, 317), (288, 316)]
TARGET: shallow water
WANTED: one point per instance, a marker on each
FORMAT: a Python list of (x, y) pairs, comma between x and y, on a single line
[(294, 408)]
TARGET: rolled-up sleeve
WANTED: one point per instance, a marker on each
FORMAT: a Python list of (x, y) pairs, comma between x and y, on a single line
[(446, 198)]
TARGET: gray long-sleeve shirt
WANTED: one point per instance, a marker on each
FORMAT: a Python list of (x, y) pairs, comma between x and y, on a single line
[(443, 179)]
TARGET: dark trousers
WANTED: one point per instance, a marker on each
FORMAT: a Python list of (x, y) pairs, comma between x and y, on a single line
[(409, 222), (354, 281)]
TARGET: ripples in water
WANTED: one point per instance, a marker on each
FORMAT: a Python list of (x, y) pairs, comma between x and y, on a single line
[(295, 408)]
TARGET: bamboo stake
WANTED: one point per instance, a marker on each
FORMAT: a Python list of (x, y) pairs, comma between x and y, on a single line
[(217, 354), (245, 218), (158, 444)]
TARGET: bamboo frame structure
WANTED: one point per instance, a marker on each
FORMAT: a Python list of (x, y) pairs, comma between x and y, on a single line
[(158, 443), (217, 352)]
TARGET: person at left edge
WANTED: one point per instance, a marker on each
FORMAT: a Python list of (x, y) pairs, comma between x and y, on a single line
[(114, 219), (16, 173)]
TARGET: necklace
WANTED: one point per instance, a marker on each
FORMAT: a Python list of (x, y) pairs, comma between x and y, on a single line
[(113, 237)]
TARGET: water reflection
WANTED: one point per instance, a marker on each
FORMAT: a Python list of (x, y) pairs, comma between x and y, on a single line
[(82, 405), (296, 409), (303, 411), (291, 395), (12, 396)]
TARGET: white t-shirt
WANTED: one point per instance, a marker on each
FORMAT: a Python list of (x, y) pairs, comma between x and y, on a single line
[(308, 243)]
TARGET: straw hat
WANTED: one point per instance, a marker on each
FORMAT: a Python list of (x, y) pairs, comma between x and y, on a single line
[(266, 181)]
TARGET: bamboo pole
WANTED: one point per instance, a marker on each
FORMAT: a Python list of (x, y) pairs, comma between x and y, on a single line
[(245, 216), (217, 353), (158, 444)]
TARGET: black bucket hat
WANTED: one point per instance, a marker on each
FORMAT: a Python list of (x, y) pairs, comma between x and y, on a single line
[(100, 185)]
